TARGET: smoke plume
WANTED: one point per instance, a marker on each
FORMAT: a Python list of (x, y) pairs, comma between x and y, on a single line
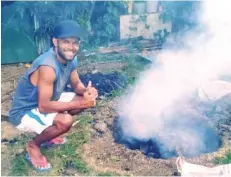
[(157, 107)]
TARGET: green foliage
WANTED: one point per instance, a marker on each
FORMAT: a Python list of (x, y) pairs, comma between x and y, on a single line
[(147, 26), (48, 13), (143, 18), (117, 93), (135, 65), (19, 167), (106, 27), (43, 16), (224, 160), (132, 28), (84, 120), (180, 13), (160, 36), (40, 17)]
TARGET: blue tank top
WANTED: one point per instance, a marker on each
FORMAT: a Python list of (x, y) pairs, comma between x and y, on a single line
[(26, 94)]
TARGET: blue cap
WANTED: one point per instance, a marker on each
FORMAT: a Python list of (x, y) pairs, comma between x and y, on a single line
[(68, 28)]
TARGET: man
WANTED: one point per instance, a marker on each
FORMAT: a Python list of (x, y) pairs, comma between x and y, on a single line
[(40, 103)]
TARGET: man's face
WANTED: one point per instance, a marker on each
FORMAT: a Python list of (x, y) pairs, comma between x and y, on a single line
[(67, 48)]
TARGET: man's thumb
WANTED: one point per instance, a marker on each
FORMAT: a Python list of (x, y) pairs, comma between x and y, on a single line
[(89, 84)]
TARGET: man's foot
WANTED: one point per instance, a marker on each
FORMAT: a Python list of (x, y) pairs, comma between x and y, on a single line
[(54, 142), (36, 159)]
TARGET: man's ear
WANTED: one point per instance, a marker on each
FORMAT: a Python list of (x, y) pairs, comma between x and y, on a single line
[(55, 41)]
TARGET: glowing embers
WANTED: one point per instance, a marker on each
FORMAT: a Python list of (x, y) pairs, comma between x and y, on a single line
[(190, 135)]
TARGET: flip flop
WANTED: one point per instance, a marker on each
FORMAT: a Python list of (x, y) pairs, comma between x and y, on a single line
[(39, 169), (54, 142)]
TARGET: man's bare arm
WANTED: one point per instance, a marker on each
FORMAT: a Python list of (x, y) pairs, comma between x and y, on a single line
[(79, 88), (76, 83), (45, 92)]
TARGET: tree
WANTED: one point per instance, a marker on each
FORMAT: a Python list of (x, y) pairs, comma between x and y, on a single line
[(182, 14)]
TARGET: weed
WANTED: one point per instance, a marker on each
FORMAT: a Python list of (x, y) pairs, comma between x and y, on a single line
[(224, 160)]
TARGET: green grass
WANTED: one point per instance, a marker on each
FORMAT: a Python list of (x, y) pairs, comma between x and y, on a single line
[(59, 156), (104, 58), (135, 66), (107, 174), (224, 160), (116, 93), (19, 167)]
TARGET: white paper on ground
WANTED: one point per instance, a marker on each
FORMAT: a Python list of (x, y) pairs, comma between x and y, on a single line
[(193, 170), (214, 90)]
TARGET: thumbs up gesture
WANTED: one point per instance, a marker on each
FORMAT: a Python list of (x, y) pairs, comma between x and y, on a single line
[(89, 85), (91, 92)]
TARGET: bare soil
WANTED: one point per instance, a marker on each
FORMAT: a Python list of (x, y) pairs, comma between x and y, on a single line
[(102, 153), (105, 155)]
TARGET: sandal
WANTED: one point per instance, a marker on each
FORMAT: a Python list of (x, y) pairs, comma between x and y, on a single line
[(37, 164)]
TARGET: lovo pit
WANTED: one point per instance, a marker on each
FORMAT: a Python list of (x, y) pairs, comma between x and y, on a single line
[(183, 131), (105, 83)]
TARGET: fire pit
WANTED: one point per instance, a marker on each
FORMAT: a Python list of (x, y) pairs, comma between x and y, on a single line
[(190, 134), (105, 83)]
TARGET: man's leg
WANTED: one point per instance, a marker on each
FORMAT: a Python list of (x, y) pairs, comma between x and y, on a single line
[(76, 111), (62, 123)]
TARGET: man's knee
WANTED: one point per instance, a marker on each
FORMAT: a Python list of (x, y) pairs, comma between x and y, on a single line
[(64, 121)]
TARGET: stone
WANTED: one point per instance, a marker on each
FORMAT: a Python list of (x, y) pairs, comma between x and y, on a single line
[(8, 131), (3, 148), (20, 151), (94, 71), (100, 126), (115, 158)]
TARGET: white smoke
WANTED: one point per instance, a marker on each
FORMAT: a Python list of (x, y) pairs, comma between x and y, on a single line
[(152, 109)]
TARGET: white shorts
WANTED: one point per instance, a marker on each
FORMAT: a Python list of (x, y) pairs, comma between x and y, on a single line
[(34, 121)]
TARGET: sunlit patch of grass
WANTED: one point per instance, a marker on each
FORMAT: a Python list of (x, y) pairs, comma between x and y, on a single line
[(225, 159)]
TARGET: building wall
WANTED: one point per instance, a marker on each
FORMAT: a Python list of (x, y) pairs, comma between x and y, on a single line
[(132, 26)]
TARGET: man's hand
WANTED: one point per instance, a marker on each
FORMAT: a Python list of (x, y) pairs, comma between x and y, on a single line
[(87, 103), (89, 96), (91, 92)]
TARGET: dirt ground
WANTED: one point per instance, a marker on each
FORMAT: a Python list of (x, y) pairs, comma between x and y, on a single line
[(105, 155), (102, 153)]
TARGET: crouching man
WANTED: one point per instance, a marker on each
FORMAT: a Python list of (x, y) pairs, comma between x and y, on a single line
[(40, 104)]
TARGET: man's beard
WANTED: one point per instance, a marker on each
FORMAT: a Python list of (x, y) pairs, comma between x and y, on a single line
[(60, 53)]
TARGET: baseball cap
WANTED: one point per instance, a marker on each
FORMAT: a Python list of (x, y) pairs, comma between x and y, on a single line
[(68, 28)]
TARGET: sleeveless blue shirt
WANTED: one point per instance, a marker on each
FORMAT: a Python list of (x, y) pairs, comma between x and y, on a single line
[(26, 94)]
